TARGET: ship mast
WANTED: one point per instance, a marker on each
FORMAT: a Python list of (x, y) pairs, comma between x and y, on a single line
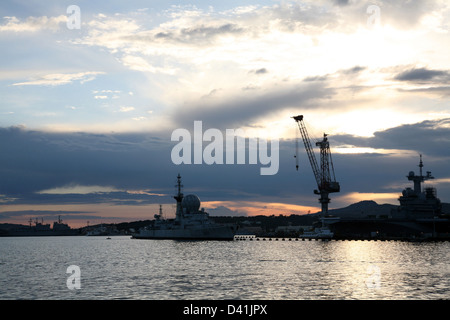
[(420, 178), (179, 198)]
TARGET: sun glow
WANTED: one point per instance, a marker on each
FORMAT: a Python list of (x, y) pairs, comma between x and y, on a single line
[(253, 208), (381, 198)]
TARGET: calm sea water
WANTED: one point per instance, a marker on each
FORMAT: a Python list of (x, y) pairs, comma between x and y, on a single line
[(124, 268)]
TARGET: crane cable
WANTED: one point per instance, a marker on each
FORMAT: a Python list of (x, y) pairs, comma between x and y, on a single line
[(296, 148)]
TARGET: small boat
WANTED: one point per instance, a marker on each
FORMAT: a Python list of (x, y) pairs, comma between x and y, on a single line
[(318, 233)]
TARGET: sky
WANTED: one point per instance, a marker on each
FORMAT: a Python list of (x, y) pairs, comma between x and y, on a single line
[(91, 93)]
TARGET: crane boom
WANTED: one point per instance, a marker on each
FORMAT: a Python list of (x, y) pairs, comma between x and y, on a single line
[(309, 149), (325, 178)]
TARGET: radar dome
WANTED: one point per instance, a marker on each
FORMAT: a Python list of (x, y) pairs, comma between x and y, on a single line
[(191, 203)]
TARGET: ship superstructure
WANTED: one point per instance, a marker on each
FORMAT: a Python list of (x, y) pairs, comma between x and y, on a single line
[(190, 222), (417, 203), (40, 229), (420, 216)]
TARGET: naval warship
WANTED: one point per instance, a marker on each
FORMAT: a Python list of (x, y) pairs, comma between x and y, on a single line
[(420, 215), (190, 223), (39, 229), (419, 203)]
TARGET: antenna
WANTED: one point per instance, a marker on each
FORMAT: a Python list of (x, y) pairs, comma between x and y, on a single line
[(179, 199), (421, 165), (179, 185)]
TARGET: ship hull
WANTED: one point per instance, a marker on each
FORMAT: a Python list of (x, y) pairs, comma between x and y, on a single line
[(39, 233), (204, 233)]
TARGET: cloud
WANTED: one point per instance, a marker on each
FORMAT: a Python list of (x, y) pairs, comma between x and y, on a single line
[(57, 79), (224, 211), (44, 214), (247, 66), (443, 91), (33, 24), (135, 169), (61, 159), (259, 71), (420, 80), (177, 40), (140, 64), (341, 2), (423, 75), (354, 70), (197, 34), (431, 137), (237, 111), (126, 109)]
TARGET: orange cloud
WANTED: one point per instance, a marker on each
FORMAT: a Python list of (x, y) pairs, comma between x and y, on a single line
[(354, 197), (253, 208)]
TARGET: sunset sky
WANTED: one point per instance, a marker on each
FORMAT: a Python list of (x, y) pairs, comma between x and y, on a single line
[(87, 111)]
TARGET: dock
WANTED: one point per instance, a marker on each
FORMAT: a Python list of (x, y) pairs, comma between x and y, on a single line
[(396, 239)]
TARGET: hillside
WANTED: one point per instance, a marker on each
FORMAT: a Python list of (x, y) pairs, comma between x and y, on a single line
[(363, 209)]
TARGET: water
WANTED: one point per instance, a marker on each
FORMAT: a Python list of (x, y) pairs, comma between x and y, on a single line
[(124, 268)]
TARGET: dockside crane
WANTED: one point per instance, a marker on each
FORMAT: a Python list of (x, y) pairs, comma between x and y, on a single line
[(325, 177)]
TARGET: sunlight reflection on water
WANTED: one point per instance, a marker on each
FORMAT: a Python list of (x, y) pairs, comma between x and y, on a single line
[(123, 268)]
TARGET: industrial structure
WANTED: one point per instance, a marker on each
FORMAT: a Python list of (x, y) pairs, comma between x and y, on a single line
[(324, 175)]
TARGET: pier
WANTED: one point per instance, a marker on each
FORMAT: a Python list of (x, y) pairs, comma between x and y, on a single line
[(395, 239)]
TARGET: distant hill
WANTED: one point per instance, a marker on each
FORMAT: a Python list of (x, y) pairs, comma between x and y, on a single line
[(363, 209), (371, 208)]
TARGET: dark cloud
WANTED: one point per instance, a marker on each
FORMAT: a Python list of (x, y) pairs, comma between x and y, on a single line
[(343, 74), (443, 91), (428, 137), (239, 111), (259, 71), (354, 70), (316, 78), (193, 35), (209, 31), (423, 74), (114, 197), (48, 215), (33, 161), (341, 2)]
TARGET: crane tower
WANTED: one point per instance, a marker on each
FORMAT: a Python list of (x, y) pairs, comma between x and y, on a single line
[(325, 178)]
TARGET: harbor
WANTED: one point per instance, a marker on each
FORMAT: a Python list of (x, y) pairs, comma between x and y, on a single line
[(420, 215)]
